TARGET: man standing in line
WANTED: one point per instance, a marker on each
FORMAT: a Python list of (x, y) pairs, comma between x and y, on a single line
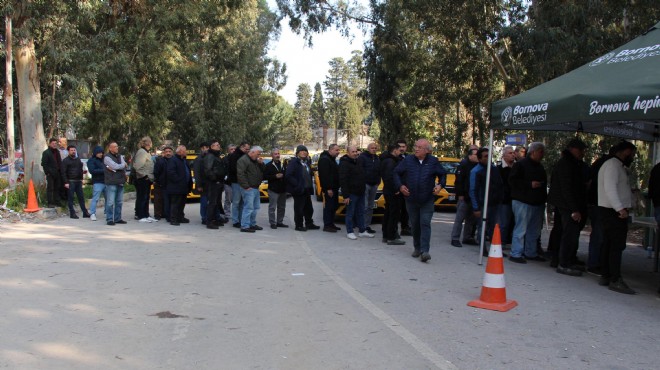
[(115, 178), (200, 180), (161, 200), (179, 184), (329, 177), (214, 177), (72, 173), (370, 163), (51, 162), (478, 194), (299, 184), (614, 201), (528, 181), (393, 199), (405, 221), (249, 173), (237, 199), (415, 177), (274, 174), (352, 179), (96, 168), (228, 190), (505, 214), (143, 166), (464, 212)]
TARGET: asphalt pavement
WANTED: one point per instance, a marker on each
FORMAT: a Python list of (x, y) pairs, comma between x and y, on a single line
[(77, 294)]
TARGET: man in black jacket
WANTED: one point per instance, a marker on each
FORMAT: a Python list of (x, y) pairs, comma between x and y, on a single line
[(370, 163), (51, 162), (393, 198), (329, 177), (200, 180), (464, 211), (352, 179), (274, 174), (299, 184), (568, 194), (72, 173), (179, 184), (505, 214), (214, 177), (161, 200), (237, 199)]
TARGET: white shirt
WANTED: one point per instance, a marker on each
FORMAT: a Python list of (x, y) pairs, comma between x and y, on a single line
[(613, 185)]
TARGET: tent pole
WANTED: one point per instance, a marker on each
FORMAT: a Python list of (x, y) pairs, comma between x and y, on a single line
[(484, 218)]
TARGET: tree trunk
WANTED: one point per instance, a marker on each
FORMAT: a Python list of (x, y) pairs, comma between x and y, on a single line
[(29, 98), (9, 100)]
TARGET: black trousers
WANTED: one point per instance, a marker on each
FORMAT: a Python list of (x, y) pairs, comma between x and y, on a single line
[(177, 204), (394, 205), (569, 236), (76, 189), (53, 185), (142, 188), (302, 209), (330, 205), (615, 232), (214, 198)]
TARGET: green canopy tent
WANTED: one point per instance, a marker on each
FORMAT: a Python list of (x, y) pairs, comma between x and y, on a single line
[(617, 95)]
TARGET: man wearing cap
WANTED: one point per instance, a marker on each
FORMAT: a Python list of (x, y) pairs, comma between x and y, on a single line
[(568, 193), (299, 184)]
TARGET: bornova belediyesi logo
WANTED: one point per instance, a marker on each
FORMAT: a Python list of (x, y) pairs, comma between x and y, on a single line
[(525, 114), (628, 55)]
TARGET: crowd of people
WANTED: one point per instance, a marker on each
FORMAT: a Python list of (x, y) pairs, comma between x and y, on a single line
[(515, 197)]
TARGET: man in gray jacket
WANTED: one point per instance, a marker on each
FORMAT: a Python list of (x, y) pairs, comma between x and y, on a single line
[(250, 173), (114, 177)]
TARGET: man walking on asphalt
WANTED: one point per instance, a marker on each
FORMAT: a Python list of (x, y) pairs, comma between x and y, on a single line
[(250, 173), (274, 174), (179, 184), (51, 162), (614, 201), (370, 164), (329, 177), (415, 177), (393, 198), (568, 193), (214, 177), (352, 179), (115, 178), (72, 173), (464, 212), (528, 182), (299, 184), (237, 199)]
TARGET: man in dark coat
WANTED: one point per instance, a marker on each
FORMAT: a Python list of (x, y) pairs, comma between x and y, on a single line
[(214, 177), (393, 197), (200, 180), (505, 213), (72, 174), (478, 194), (299, 184), (416, 177), (352, 179), (329, 177), (96, 168), (161, 200), (568, 194), (370, 163), (179, 184), (274, 174), (51, 162), (464, 212)]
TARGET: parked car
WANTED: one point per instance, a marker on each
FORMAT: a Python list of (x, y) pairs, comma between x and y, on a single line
[(446, 199)]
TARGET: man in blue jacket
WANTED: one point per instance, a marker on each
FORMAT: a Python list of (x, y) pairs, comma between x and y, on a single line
[(179, 184), (478, 194), (96, 168), (415, 177)]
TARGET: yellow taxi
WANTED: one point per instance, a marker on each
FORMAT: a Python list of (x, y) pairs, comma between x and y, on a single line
[(263, 188), (446, 199)]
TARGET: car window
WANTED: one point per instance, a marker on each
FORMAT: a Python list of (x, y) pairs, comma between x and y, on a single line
[(450, 167)]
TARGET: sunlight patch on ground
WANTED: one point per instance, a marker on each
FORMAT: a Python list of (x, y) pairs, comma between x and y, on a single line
[(98, 262), (27, 284), (33, 313), (68, 352)]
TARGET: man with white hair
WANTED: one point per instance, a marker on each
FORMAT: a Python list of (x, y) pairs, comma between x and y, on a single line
[(250, 173)]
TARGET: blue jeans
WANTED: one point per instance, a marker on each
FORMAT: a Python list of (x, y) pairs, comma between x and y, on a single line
[(114, 199), (355, 213), (420, 216), (504, 219), (369, 197), (527, 228), (236, 203), (97, 189), (251, 205)]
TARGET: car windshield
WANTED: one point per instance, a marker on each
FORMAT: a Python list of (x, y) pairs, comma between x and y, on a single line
[(450, 167)]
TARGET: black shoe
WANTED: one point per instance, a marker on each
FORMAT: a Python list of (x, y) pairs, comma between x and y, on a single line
[(175, 223), (74, 216), (256, 227), (203, 222), (537, 258), (313, 227), (554, 263), (594, 271), (370, 230), (110, 223), (86, 215), (273, 226), (384, 240), (396, 242), (470, 241), (279, 224), (219, 223), (425, 257), (603, 281), (517, 259), (136, 217), (620, 286), (301, 228), (185, 221), (578, 262), (568, 271), (336, 227), (237, 225), (456, 243), (212, 225), (329, 229), (246, 230), (406, 232), (416, 253), (121, 222), (580, 268)]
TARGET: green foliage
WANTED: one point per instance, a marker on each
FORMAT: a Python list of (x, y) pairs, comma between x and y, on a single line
[(301, 124), (17, 198)]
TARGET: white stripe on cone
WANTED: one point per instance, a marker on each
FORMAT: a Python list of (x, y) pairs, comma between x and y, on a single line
[(494, 281), (495, 251)]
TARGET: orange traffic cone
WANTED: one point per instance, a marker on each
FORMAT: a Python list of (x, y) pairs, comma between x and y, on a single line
[(32, 204), (493, 291)]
